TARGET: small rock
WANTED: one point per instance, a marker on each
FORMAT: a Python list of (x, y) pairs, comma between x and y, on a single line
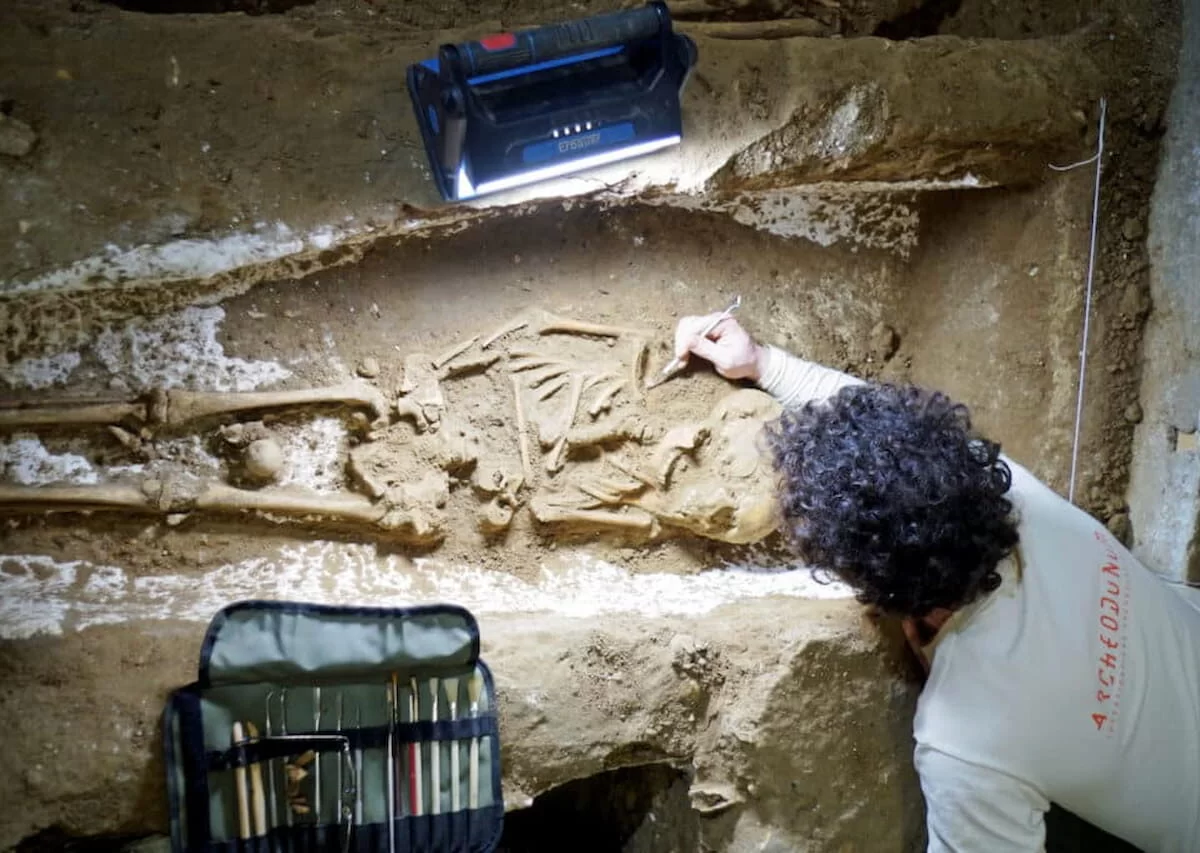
[(368, 368), (1120, 526), (1133, 413), (16, 137), (1133, 229), (264, 460), (175, 519), (884, 342)]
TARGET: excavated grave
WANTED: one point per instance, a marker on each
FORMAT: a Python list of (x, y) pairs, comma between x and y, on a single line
[(668, 689)]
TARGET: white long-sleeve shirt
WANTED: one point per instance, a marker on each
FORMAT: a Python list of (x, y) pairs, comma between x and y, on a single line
[(1076, 682)]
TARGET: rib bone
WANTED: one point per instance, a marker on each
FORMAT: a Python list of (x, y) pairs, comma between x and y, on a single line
[(522, 438), (555, 462), (453, 353)]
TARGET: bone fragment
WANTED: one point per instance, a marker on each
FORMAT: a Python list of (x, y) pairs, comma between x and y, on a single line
[(641, 353), (555, 462), (185, 406), (674, 444), (23, 417), (632, 472), (603, 401), (592, 380), (522, 438), (422, 398), (495, 516), (605, 491), (511, 326), (565, 326), (107, 496), (345, 507), (630, 428), (552, 389), (473, 365), (127, 439), (453, 353), (627, 519)]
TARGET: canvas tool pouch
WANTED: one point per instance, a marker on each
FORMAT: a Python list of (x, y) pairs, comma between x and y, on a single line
[(321, 728)]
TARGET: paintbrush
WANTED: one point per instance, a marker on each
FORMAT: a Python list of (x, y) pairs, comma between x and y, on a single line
[(317, 760), (243, 796), (450, 685), (435, 755), (414, 751), (256, 788), (393, 711), (474, 689), (676, 364)]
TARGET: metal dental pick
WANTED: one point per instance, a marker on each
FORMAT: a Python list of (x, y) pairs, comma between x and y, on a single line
[(676, 364)]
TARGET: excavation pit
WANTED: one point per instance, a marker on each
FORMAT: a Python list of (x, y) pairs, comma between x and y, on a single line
[(656, 657)]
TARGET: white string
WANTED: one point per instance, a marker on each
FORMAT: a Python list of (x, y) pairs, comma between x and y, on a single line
[(1091, 159), (1098, 159)]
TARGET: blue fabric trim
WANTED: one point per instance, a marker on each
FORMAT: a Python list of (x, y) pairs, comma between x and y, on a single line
[(195, 774), (456, 832), (175, 797), (489, 686)]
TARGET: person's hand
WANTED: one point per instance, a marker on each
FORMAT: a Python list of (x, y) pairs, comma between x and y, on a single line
[(729, 347)]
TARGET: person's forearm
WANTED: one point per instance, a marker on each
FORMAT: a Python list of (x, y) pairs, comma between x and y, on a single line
[(793, 381)]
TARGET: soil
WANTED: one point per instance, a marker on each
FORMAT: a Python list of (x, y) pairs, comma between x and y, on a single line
[(624, 267), (986, 304)]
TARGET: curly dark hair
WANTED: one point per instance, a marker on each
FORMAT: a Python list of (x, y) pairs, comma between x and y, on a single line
[(888, 488)]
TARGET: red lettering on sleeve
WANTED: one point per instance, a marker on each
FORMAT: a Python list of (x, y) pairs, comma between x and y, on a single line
[(1111, 614)]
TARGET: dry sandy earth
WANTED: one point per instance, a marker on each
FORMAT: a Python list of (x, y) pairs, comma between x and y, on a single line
[(982, 290)]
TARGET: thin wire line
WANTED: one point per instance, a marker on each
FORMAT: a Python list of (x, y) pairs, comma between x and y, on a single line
[(1091, 159), (1098, 159)]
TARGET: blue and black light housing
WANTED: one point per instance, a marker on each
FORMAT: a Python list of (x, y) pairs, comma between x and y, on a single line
[(517, 108)]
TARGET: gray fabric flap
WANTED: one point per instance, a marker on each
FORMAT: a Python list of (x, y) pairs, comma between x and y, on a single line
[(283, 642)]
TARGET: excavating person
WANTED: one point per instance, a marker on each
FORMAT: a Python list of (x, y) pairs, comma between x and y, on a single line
[(1060, 669)]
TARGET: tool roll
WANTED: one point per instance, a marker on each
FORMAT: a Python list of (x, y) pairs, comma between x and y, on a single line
[(319, 728)]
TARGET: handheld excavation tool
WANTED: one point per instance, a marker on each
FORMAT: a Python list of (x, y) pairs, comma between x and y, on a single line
[(514, 109), (676, 364)]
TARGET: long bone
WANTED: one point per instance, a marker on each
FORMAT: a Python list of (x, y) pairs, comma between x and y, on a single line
[(628, 519), (393, 513), (80, 414), (552, 323), (175, 407)]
